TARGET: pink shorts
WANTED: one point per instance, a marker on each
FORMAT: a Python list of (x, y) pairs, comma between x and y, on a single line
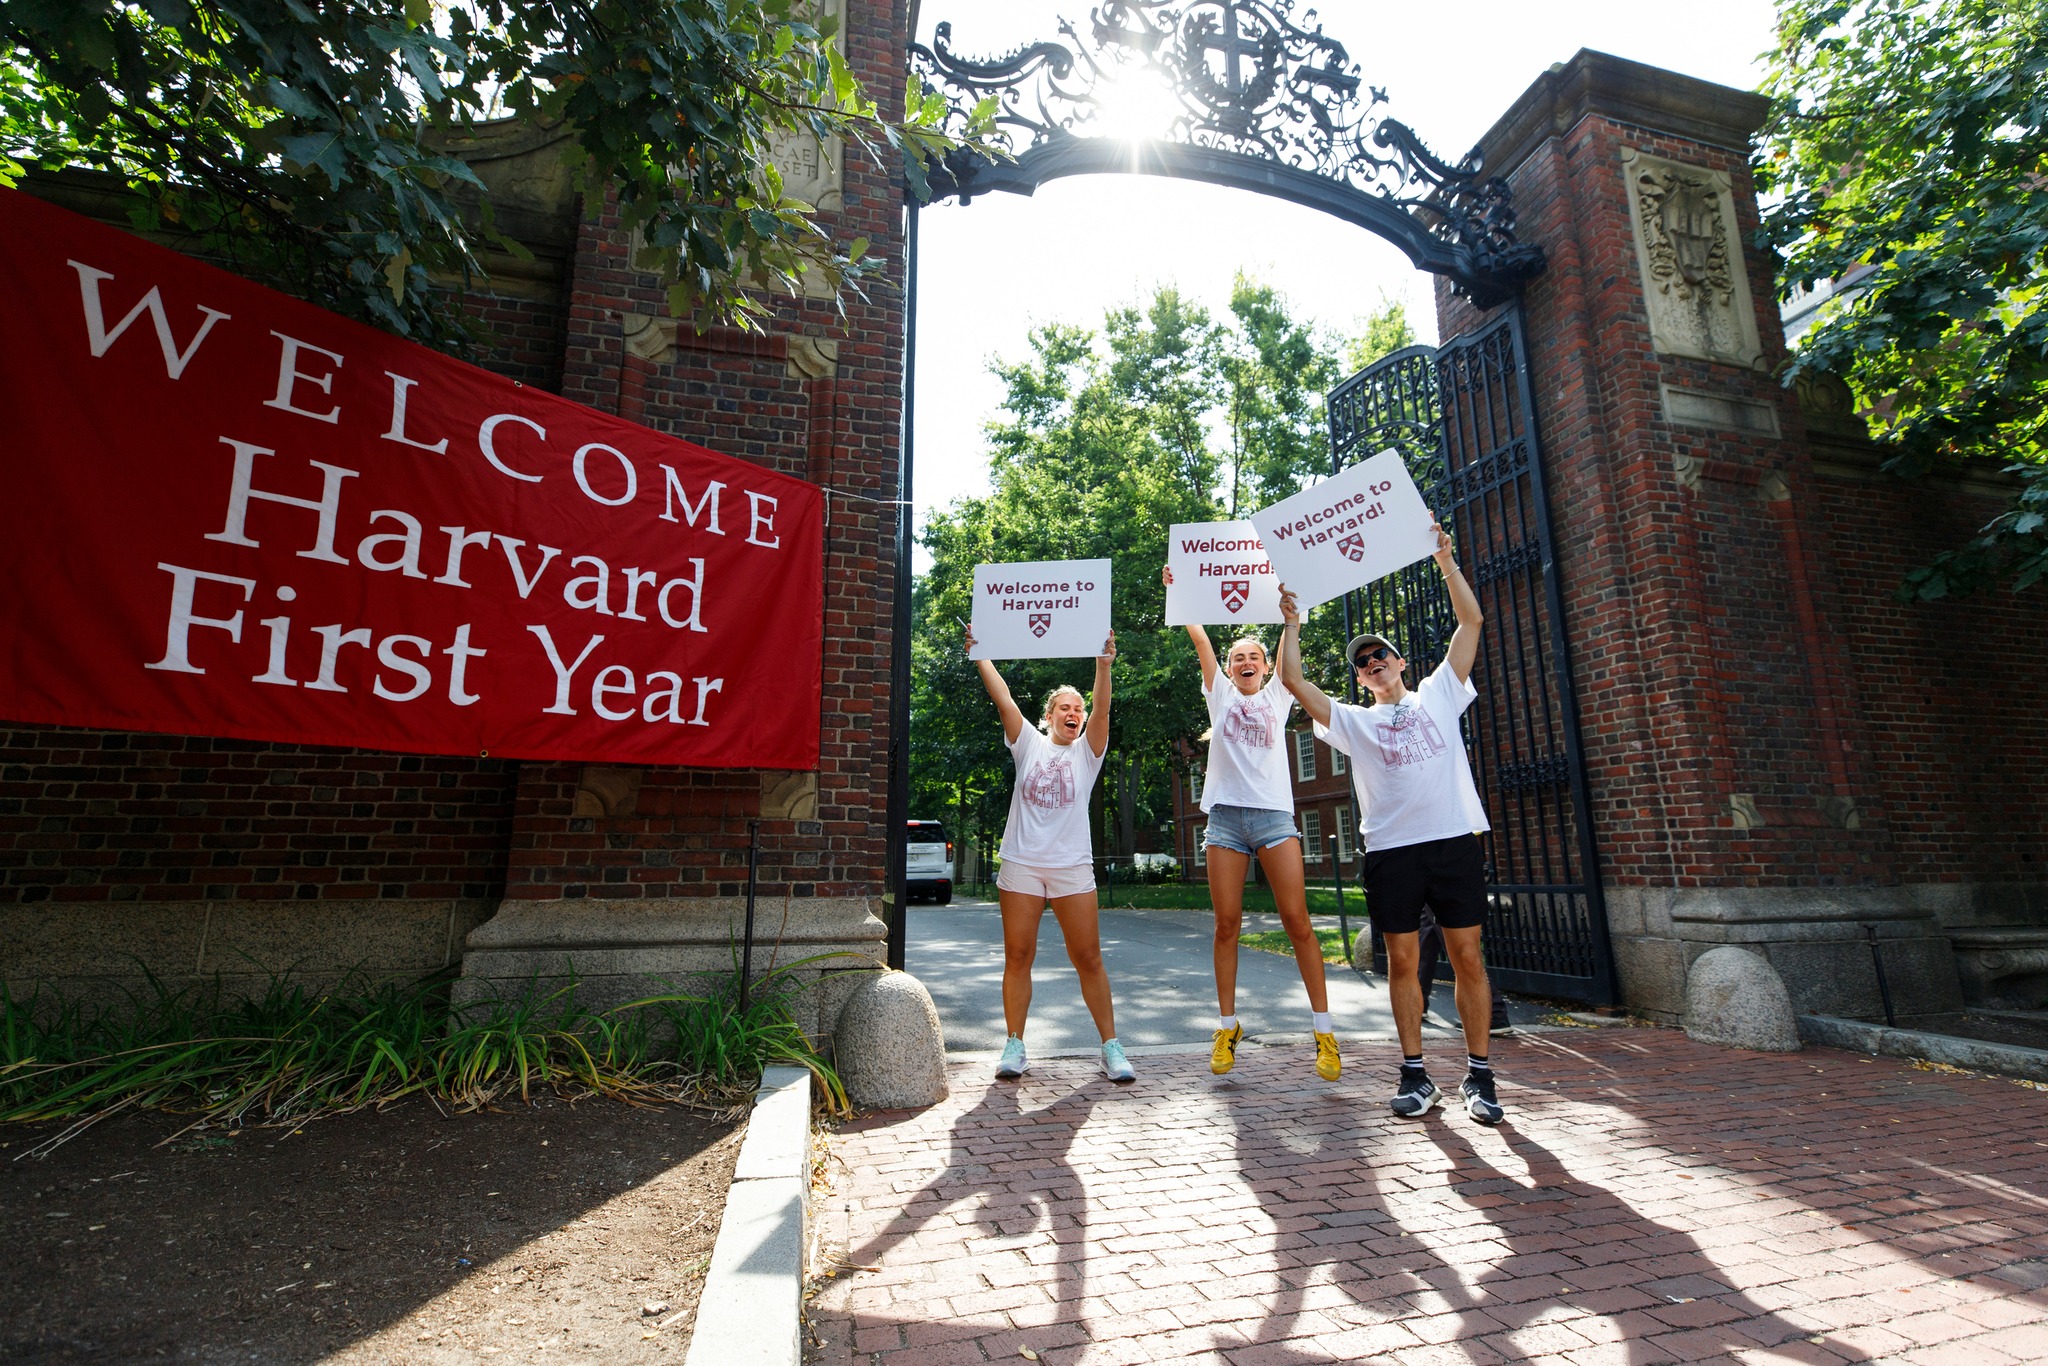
[(1047, 883)]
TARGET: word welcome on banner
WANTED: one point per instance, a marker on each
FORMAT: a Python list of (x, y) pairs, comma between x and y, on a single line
[(1347, 531), (224, 511), (1220, 574), (1053, 609)]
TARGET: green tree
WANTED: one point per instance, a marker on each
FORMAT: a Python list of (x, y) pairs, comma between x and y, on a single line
[(1101, 442), (1909, 142), (303, 141)]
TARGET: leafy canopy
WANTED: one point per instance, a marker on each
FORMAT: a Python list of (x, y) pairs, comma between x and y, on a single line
[(1101, 442), (304, 141), (1907, 156)]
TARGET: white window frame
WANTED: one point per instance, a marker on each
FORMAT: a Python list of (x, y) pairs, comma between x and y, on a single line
[(1340, 762), (1312, 836), (1201, 848), (1346, 843), (1305, 755), (1195, 783)]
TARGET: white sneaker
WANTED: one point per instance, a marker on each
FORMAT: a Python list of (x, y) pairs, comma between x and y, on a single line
[(1115, 1065), (1012, 1063)]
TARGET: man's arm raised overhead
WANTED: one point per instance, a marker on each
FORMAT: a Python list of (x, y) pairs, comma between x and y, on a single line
[(1313, 700)]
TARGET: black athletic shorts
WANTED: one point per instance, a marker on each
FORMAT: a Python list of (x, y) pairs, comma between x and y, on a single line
[(1450, 875)]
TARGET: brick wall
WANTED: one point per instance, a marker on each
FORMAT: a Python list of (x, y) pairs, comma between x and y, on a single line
[(1694, 602), (1761, 767), (165, 823)]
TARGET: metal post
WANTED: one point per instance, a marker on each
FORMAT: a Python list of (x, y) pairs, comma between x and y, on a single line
[(747, 944), (1884, 988), (1337, 881), (898, 807)]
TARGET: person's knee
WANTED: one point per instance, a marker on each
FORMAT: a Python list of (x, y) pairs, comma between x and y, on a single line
[(1020, 955), (1228, 927), (1086, 959), (1404, 954), (1464, 953)]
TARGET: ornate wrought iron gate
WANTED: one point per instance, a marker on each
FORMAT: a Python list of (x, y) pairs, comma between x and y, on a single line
[(1463, 419)]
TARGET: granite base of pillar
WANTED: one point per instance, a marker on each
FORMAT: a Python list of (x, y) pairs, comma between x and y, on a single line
[(1819, 939), (617, 951)]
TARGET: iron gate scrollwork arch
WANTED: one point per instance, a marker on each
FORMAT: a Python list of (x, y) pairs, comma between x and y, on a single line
[(1251, 99), (1463, 418)]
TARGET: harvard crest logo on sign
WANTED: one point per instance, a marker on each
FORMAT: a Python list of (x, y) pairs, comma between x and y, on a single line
[(1041, 622), (1236, 592), (1352, 547)]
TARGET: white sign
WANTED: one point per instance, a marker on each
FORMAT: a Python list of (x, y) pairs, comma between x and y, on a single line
[(1220, 574), (1347, 531), (1055, 609)]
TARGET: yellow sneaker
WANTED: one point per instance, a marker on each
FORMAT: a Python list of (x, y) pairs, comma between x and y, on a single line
[(1328, 1065), (1223, 1052)]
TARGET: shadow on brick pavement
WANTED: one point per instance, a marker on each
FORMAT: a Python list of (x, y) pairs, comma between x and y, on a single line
[(1649, 1200)]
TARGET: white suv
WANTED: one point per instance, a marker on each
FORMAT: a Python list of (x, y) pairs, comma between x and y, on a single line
[(928, 863)]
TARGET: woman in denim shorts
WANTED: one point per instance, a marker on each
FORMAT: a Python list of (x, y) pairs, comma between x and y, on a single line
[(1249, 799), (1048, 852)]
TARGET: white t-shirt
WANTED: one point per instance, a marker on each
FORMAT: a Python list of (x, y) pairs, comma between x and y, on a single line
[(1408, 763), (1048, 825), (1247, 759)]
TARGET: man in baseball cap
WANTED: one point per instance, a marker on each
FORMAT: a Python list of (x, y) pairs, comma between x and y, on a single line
[(1421, 819)]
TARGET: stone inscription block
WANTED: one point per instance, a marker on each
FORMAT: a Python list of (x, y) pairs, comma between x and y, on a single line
[(1695, 286)]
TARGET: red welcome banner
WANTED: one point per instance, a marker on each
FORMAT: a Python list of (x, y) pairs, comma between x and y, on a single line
[(227, 512)]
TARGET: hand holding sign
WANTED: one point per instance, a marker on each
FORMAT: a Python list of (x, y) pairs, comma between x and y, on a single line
[(1347, 531), (1054, 609)]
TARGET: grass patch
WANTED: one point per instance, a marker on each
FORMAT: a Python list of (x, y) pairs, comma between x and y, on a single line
[(298, 1051), (1276, 941)]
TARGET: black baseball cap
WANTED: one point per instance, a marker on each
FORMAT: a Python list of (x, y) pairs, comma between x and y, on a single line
[(1366, 641)]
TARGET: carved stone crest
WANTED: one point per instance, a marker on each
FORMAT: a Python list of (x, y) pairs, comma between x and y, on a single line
[(1695, 285)]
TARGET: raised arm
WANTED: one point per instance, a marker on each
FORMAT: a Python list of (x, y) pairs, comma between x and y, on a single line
[(1313, 700), (1464, 651), (999, 693), (1098, 715), (1204, 650)]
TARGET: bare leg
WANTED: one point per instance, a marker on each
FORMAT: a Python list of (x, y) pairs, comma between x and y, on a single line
[(1083, 933), (1404, 953), (1282, 863), (1226, 896), (1021, 915), (1475, 996)]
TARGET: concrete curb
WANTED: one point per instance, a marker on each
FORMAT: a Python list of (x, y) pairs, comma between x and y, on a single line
[(751, 1312), (2006, 1059)]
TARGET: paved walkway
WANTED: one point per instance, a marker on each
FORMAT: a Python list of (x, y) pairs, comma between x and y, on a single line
[(1161, 976), (1649, 1200)]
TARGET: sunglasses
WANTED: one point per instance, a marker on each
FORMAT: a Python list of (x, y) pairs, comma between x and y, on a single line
[(1364, 656)]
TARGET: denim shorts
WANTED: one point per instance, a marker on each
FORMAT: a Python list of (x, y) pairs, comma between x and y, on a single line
[(1248, 829)]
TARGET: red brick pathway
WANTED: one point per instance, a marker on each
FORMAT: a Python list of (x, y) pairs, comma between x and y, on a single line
[(1649, 1200)]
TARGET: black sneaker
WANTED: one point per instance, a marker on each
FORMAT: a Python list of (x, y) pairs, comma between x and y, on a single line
[(1477, 1090), (1415, 1094)]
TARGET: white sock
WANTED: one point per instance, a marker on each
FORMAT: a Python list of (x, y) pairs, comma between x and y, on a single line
[(1226, 1022), (1320, 1022)]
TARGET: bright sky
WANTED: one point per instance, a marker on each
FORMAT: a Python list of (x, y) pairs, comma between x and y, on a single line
[(992, 270)]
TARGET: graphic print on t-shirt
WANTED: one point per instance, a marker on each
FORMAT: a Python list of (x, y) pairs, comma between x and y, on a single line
[(1250, 722), (1050, 784), (1410, 738)]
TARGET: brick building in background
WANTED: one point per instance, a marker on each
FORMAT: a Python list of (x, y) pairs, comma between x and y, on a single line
[(195, 856)]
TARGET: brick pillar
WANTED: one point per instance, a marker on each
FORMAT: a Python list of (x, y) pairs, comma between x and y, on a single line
[(1726, 754)]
